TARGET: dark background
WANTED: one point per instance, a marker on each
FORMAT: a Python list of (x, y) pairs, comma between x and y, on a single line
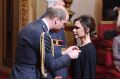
[(108, 6)]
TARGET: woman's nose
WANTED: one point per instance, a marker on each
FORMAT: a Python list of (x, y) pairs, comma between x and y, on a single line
[(63, 3), (74, 30)]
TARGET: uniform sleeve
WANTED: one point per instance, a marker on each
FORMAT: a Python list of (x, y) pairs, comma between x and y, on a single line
[(50, 62)]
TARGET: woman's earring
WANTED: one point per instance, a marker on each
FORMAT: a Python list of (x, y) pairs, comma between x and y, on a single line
[(55, 23), (55, 3)]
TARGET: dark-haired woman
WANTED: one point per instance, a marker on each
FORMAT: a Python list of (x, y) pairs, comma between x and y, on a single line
[(85, 66)]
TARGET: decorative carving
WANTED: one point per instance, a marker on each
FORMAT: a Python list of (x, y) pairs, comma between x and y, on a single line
[(24, 12), (27, 11), (14, 15)]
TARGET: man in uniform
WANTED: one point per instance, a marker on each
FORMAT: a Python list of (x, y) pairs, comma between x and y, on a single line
[(35, 53)]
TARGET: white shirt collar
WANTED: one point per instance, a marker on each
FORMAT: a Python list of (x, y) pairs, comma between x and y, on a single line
[(46, 24)]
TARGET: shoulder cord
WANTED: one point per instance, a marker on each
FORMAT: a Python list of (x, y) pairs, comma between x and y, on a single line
[(42, 55)]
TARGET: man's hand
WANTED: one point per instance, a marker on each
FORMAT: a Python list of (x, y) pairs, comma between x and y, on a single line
[(58, 77), (73, 52)]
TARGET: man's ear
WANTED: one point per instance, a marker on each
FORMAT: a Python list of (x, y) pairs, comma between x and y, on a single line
[(56, 20), (55, 3)]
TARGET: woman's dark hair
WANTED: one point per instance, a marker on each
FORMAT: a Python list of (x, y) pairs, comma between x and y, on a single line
[(87, 22)]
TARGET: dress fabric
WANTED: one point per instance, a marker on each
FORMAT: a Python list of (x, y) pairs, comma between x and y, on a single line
[(85, 66)]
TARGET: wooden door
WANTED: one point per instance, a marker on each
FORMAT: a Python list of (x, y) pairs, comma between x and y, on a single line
[(13, 15), (9, 25), (1, 32)]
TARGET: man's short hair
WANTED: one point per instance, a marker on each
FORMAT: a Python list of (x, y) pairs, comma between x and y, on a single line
[(51, 2), (53, 12)]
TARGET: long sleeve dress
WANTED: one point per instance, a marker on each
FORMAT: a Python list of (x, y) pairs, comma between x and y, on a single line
[(85, 66)]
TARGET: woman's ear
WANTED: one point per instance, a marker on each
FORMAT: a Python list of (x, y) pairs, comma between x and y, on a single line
[(88, 30), (55, 22), (55, 3)]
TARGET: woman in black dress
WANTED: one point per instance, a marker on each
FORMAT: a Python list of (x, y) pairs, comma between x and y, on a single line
[(85, 66)]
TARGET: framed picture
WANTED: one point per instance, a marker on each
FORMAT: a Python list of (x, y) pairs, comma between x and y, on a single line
[(108, 13)]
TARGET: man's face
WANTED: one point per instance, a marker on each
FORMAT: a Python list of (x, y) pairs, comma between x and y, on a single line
[(59, 24), (62, 22)]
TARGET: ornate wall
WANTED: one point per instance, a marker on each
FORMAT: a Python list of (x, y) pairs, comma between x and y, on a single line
[(27, 10), (15, 14), (92, 7), (41, 6)]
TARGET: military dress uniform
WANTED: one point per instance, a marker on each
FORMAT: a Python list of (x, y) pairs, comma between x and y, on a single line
[(28, 55), (59, 43)]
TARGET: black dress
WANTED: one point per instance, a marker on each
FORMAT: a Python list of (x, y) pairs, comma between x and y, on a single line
[(85, 66)]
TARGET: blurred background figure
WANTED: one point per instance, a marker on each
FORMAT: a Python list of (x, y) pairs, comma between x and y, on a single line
[(59, 41), (116, 43), (52, 3)]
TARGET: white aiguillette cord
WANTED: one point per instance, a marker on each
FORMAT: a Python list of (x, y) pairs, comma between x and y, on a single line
[(42, 54)]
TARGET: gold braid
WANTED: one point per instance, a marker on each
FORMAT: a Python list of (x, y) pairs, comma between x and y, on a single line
[(42, 51)]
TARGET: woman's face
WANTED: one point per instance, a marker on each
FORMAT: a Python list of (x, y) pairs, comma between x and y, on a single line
[(78, 30)]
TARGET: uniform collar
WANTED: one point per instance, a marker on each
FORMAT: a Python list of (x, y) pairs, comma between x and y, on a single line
[(46, 24)]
